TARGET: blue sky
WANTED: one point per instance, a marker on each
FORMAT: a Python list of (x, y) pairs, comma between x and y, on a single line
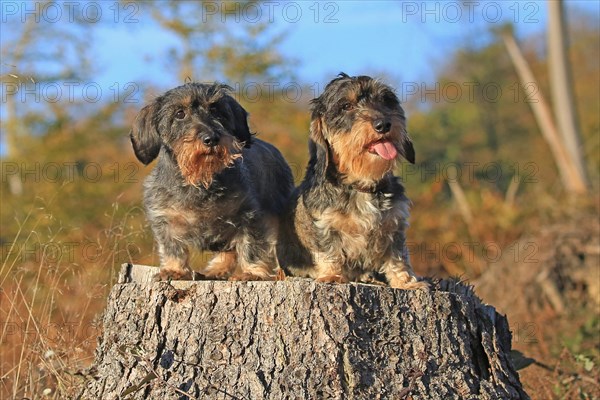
[(407, 40)]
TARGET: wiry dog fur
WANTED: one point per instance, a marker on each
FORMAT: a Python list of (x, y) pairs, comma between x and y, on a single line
[(347, 220), (214, 185)]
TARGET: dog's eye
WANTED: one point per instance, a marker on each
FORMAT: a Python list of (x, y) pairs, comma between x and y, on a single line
[(180, 114), (347, 106)]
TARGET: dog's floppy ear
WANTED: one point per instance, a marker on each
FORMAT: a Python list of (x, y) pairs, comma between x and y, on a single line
[(241, 130), (408, 151), (144, 134), (318, 146)]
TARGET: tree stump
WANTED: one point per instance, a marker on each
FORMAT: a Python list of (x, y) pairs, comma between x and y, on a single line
[(298, 339)]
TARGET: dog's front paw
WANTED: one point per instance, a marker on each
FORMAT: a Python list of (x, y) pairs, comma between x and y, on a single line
[(173, 275), (409, 284), (221, 265), (332, 279)]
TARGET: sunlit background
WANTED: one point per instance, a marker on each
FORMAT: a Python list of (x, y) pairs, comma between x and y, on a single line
[(494, 201)]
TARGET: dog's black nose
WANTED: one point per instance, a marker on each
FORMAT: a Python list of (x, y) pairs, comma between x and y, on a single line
[(382, 125), (210, 140)]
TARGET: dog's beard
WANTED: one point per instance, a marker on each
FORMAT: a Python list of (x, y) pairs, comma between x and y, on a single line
[(199, 163)]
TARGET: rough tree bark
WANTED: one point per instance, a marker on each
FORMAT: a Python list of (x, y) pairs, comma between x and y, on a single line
[(298, 339)]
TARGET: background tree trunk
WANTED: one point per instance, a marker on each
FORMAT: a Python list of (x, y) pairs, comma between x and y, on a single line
[(298, 339), (571, 179), (561, 85)]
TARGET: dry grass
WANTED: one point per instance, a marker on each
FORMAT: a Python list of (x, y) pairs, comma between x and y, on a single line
[(54, 285)]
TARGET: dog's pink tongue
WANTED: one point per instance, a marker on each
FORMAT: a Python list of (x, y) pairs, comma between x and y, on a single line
[(385, 150)]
